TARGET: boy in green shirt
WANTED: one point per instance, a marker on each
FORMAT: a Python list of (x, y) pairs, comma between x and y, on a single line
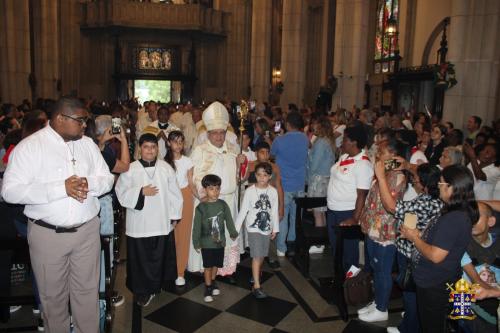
[(210, 219)]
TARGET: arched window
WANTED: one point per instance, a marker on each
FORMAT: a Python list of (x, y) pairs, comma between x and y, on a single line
[(386, 36)]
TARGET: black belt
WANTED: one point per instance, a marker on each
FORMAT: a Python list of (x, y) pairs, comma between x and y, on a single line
[(54, 227)]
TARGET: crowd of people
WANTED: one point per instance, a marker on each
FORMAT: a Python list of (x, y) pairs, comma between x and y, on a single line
[(198, 193)]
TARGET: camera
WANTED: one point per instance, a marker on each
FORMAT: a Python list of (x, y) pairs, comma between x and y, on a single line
[(391, 164), (116, 125)]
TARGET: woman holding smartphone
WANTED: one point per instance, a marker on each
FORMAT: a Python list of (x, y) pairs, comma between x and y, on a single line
[(425, 207), (441, 246), (380, 228)]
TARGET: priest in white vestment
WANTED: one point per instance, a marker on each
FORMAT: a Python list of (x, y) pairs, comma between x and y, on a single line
[(220, 157)]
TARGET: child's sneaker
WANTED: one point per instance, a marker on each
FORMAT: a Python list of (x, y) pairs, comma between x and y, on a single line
[(180, 281), (215, 289), (144, 300), (259, 293), (40, 327), (208, 294)]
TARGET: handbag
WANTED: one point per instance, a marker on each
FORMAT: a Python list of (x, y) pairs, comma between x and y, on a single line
[(358, 289), (407, 283)]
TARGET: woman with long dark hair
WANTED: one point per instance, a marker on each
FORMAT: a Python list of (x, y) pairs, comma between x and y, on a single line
[(441, 246), (427, 207)]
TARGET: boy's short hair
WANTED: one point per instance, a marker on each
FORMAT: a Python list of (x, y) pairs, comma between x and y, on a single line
[(262, 145), (148, 137), (211, 180), (267, 167)]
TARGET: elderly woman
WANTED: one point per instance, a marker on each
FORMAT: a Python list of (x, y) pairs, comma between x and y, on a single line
[(100, 131), (450, 156), (103, 138)]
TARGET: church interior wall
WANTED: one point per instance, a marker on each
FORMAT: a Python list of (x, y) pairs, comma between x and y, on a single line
[(308, 41), (428, 15)]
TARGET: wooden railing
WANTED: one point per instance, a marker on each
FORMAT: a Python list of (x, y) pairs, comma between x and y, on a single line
[(124, 13)]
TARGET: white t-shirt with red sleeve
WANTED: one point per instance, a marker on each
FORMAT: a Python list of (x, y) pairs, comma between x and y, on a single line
[(347, 176)]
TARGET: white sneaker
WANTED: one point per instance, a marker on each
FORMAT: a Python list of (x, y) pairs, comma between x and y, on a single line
[(392, 329), (316, 249), (208, 299), (180, 281), (373, 316), (370, 307), (402, 314), (279, 253), (15, 308)]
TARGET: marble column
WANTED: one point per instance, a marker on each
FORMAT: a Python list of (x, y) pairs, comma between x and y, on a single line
[(14, 51), (350, 56), (46, 47), (293, 52), (260, 61), (473, 49), (70, 55), (327, 40), (237, 48)]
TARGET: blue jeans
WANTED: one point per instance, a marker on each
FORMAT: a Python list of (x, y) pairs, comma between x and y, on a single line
[(287, 224), (410, 323), (351, 246), (381, 259)]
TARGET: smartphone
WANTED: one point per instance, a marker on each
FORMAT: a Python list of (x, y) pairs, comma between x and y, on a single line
[(277, 126), (268, 134), (116, 125), (252, 105), (410, 220), (391, 164)]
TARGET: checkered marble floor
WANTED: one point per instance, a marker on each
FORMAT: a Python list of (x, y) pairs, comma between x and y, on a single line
[(295, 304)]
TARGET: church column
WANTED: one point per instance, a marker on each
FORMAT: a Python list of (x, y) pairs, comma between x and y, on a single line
[(293, 52), (350, 56), (237, 48), (327, 40), (472, 44), (14, 51), (260, 61), (46, 47)]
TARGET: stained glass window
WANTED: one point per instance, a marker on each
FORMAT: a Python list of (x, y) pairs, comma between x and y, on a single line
[(385, 44)]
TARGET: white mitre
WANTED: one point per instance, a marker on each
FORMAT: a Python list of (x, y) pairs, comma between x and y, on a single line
[(215, 117)]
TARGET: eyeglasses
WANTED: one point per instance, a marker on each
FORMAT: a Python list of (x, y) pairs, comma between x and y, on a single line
[(441, 183), (81, 120)]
